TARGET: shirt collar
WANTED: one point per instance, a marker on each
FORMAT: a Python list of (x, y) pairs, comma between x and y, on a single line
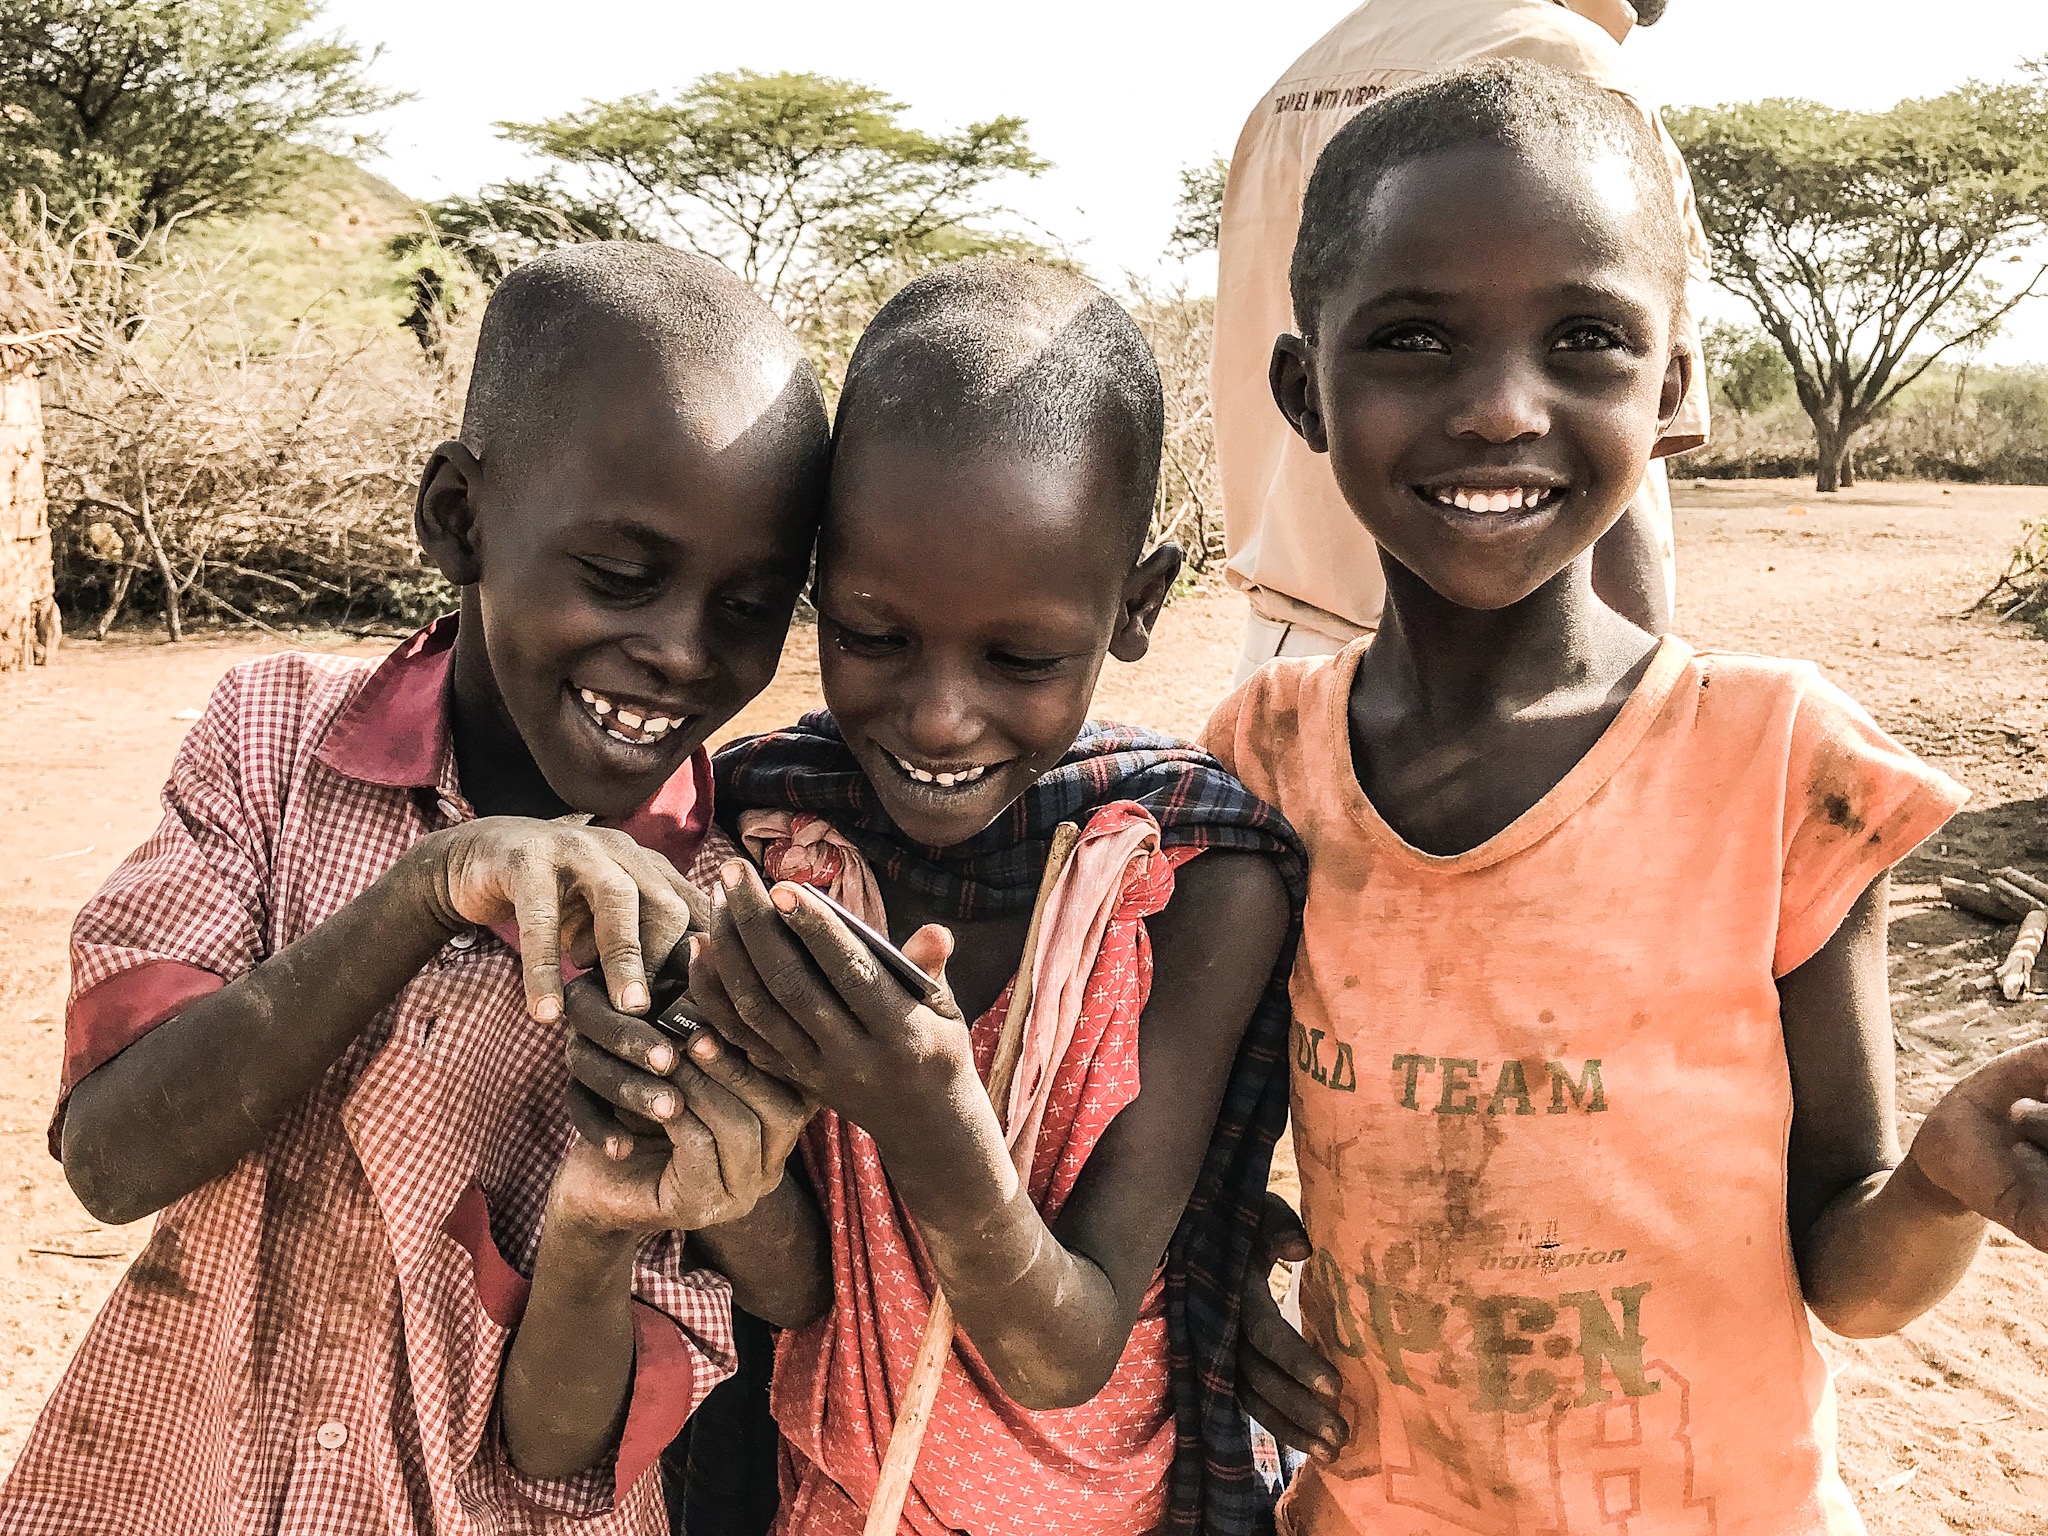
[(1617, 18), (395, 733)]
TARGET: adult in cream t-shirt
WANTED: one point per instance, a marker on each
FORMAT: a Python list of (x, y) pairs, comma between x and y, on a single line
[(1311, 571)]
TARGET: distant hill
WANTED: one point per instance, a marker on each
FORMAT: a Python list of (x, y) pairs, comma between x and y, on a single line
[(326, 256)]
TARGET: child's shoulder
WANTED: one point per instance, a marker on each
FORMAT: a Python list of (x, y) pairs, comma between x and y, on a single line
[(1839, 765), (1753, 670), (1753, 688), (291, 686), (1282, 719), (278, 706)]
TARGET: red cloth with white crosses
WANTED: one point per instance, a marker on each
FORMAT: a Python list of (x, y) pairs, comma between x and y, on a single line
[(311, 1343), (988, 1466)]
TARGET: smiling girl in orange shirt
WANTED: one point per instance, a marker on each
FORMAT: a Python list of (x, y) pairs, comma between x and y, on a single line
[(1593, 1083)]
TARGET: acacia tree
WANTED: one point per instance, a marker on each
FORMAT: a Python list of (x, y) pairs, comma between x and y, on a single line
[(1866, 242), (807, 186), (512, 222), (143, 112)]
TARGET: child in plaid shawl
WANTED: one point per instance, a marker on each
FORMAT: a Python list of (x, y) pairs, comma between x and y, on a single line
[(996, 453)]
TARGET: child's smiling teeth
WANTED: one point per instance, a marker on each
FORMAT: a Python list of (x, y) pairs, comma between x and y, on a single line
[(932, 776), (623, 722), (1520, 498)]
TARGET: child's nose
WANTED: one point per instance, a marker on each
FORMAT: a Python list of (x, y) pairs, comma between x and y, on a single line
[(1502, 403), (943, 721), (678, 650)]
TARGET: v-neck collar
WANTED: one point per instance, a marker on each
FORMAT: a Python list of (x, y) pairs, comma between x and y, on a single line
[(1645, 702)]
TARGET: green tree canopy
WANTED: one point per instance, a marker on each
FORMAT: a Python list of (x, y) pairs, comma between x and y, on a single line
[(1198, 211), (805, 185), (1869, 243), (145, 112), (1746, 366), (514, 221)]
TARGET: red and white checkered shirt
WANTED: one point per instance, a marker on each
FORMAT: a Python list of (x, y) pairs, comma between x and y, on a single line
[(311, 1343)]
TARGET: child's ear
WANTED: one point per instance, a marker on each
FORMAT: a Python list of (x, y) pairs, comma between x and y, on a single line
[(1677, 384), (1145, 591), (444, 517), (1292, 373)]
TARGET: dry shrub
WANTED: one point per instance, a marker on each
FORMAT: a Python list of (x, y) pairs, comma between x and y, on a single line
[(208, 462), (1190, 504), (202, 462), (2021, 591)]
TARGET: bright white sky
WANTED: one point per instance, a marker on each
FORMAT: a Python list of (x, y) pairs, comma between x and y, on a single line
[(1119, 94)]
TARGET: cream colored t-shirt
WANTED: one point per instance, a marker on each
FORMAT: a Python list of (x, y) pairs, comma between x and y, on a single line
[(1294, 546)]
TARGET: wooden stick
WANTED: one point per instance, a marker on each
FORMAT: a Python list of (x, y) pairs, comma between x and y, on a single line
[(1979, 900), (2021, 901), (2038, 889), (921, 1391), (2026, 949)]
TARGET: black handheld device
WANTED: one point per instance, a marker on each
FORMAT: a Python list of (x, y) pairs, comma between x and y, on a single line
[(906, 970), (676, 1021)]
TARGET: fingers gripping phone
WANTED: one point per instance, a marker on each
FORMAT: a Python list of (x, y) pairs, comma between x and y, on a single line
[(913, 976), (676, 1020)]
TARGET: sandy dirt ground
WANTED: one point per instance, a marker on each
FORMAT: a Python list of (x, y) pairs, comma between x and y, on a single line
[(1943, 1428)]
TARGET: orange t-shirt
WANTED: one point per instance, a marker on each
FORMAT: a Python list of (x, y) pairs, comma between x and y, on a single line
[(1541, 1105)]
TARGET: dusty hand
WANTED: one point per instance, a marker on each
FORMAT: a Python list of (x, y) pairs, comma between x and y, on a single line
[(1281, 1381), (782, 979), (1983, 1145), (725, 1129), (588, 893)]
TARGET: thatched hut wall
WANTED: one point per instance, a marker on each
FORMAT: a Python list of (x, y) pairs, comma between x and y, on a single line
[(28, 605), (30, 331)]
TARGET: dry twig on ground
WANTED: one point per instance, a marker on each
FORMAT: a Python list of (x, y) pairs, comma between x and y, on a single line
[(2021, 591)]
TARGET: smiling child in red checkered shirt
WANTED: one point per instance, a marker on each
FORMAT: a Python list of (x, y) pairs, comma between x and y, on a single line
[(312, 1019)]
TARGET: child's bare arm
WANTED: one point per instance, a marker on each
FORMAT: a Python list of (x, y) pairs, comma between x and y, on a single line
[(729, 1132), (1049, 1310), (1878, 1240), (187, 1101), (569, 1377)]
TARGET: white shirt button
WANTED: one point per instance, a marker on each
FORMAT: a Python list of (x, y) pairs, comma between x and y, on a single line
[(332, 1435), (463, 940), (448, 808)]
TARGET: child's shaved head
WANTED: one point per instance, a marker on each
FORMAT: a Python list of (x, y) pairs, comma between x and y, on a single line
[(629, 511), (1545, 117), (571, 327), (1013, 355)]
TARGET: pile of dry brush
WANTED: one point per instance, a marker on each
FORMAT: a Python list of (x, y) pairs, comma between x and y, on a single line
[(1190, 504), (204, 464), (208, 465)]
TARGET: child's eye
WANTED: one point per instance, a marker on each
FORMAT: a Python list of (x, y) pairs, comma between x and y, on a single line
[(749, 610), (618, 579), (856, 642), (1027, 666), (1591, 337), (1408, 338)]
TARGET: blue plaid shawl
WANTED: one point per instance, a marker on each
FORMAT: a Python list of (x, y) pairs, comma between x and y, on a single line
[(996, 873)]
